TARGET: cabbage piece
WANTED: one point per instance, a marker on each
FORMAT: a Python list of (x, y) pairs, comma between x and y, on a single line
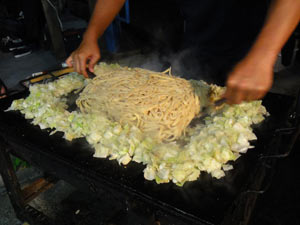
[(208, 146)]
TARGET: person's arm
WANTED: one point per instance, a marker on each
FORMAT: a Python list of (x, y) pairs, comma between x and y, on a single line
[(104, 13), (252, 77)]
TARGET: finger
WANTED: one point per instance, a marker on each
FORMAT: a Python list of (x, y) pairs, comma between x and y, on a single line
[(234, 95), (259, 95), (94, 59), (240, 96), (249, 98), (255, 94), (76, 64), (82, 65), (237, 97), (69, 61), (227, 95), (246, 94), (262, 91), (2, 92), (230, 92)]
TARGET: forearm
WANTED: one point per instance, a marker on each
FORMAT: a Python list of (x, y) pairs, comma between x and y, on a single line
[(283, 17), (252, 78), (103, 14)]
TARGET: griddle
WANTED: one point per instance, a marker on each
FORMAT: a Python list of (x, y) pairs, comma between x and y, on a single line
[(205, 201)]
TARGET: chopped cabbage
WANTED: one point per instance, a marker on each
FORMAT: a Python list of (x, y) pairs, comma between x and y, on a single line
[(209, 145)]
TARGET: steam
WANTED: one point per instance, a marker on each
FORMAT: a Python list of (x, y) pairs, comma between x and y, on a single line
[(183, 64)]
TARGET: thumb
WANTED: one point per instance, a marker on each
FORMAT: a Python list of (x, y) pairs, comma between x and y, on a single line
[(69, 61)]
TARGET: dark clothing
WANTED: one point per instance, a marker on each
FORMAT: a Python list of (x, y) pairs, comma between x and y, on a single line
[(9, 9), (33, 20), (220, 32), (30, 28)]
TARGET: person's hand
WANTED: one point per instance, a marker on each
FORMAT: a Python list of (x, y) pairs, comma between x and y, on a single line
[(87, 53), (250, 80)]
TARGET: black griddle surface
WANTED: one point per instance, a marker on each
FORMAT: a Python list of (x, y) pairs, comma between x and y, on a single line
[(207, 199)]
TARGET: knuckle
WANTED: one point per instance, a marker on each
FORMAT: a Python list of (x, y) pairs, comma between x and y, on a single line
[(74, 54), (231, 82), (80, 56), (261, 88), (243, 87), (261, 94)]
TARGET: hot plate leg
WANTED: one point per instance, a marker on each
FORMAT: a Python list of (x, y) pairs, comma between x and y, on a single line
[(11, 182), (19, 198)]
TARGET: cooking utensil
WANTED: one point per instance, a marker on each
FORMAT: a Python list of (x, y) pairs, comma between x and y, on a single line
[(90, 74), (210, 108), (207, 110), (40, 76), (72, 97)]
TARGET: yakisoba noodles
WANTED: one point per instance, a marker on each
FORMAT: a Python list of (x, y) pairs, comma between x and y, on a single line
[(160, 104)]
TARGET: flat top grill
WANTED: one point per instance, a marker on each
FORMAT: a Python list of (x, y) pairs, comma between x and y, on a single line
[(205, 201)]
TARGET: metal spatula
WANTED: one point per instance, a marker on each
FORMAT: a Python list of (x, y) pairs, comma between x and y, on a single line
[(90, 74), (73, 96), (210, 108), (206, 111)]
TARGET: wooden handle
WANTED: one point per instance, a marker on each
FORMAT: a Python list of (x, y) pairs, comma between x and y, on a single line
[(56, 73)]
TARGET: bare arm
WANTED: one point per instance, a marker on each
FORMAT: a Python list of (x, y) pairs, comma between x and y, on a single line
[(253, 76), (104, 13)]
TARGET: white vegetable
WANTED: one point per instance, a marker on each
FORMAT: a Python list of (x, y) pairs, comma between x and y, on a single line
[(208, 146), (149, 173), (101, 151)]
